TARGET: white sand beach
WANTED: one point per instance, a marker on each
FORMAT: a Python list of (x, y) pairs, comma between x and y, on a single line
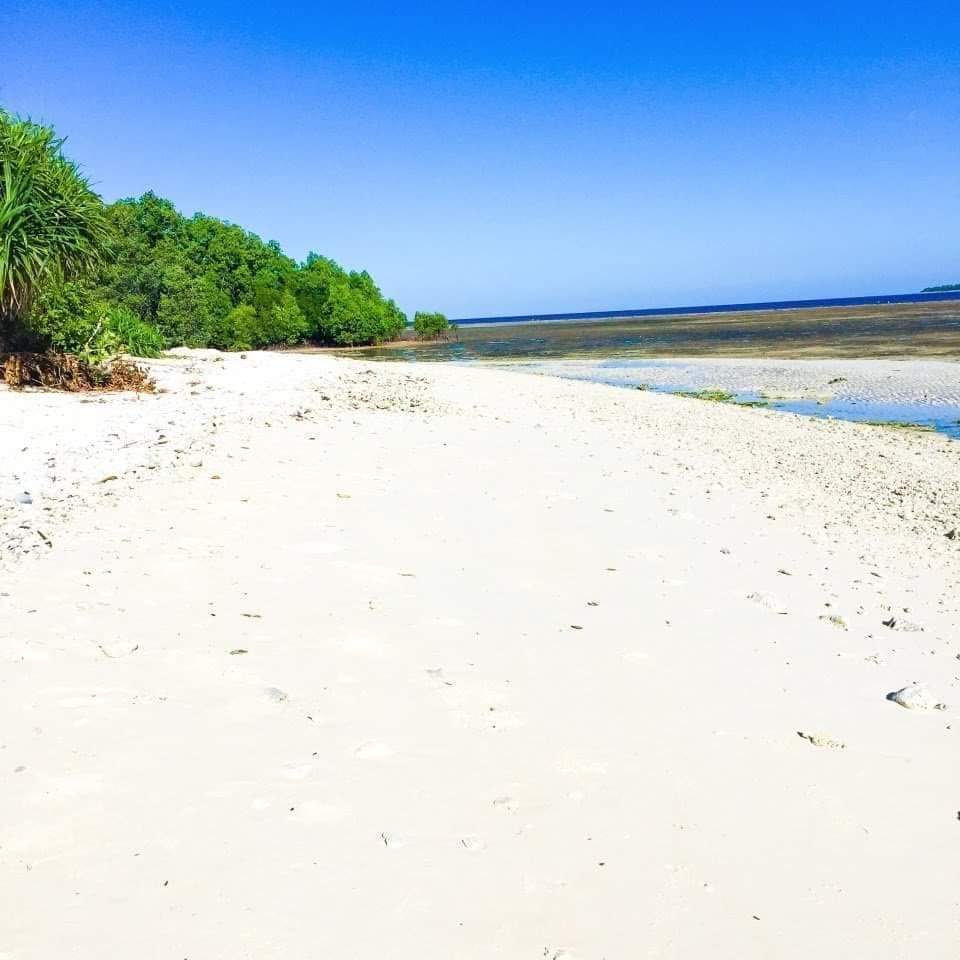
[(307, 657)]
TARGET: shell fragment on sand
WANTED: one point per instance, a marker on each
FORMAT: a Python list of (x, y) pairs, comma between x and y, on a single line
[(821, 740), (915, 697)]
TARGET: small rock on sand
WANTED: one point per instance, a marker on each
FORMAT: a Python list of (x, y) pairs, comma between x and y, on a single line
[(915, 697)]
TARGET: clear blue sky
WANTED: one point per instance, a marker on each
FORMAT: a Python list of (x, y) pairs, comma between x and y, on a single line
[(501, 158)]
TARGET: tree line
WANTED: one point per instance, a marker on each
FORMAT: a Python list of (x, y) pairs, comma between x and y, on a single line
[(137, 275)]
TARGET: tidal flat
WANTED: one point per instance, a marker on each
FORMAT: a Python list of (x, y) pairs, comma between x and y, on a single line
[(927, 330), (889, 363)]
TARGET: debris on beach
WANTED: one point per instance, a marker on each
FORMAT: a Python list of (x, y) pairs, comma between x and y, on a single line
[(62, 371), (915, 697), (275, 694), (821, 740), (906, 626), (767, 600), (436, 673), (834, 620)]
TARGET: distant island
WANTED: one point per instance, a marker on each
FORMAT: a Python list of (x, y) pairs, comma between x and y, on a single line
[(944, 288)]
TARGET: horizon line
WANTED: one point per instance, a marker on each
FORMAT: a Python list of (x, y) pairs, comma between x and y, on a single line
[(877, 299)]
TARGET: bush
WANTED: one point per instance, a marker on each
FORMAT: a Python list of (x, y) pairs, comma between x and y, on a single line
[(430, 326), (68, 319), (53, 227), (132, 335)]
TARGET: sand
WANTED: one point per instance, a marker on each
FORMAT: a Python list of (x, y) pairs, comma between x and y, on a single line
[(322, 658)]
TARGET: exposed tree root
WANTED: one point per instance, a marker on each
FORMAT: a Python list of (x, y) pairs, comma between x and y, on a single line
[(63, 371)]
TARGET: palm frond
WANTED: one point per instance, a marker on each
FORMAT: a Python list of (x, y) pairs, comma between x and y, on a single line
[(53, 226)]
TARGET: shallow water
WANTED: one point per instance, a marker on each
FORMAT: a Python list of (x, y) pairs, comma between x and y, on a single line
[(932, 404), (943, 418)]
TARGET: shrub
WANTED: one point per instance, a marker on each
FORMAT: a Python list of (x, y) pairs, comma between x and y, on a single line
[(53, 226), (68, 319), (430, 326), (132, 335), (237, 330)]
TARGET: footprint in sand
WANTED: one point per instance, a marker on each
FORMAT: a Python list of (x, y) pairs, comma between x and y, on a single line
[(117, 649), (437, 674), (312, 812), (362, 646), (80, 785), (768, 600), (393, 840), (297, 773), (373, 751), (576, 766), (315, 548)]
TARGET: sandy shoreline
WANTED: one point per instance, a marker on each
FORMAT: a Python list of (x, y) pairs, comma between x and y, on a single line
[(524, 663)]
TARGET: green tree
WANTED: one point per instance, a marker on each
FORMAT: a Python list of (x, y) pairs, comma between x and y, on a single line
[(191, 309), (287, 322), (53, 226), (430, 326), (238, 330)]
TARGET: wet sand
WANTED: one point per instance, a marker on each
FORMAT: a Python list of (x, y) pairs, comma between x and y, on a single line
[(923, 392), (866, 380)]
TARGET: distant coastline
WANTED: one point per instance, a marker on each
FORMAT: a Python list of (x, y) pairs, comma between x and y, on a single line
[(924, 297)]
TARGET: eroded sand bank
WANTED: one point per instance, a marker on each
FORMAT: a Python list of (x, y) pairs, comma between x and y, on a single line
[(322, 658)]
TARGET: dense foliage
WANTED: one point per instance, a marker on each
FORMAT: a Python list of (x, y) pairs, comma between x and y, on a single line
[(53, 228), (202, 282), (138, 276), (430, 326), (944, 288)]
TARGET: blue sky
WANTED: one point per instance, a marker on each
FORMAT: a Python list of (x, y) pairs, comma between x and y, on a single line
[(501, 158)]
